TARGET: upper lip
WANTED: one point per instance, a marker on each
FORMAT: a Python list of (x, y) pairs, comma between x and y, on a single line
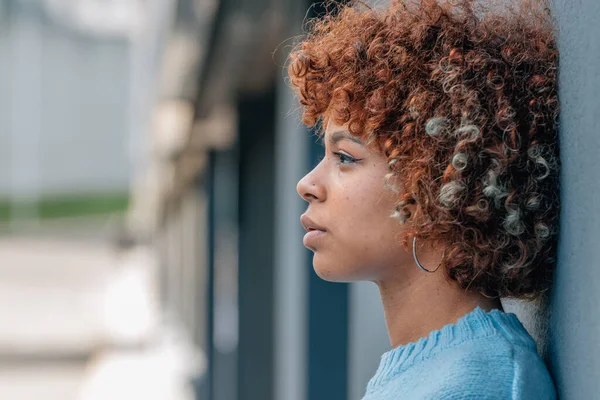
[(309, 224)]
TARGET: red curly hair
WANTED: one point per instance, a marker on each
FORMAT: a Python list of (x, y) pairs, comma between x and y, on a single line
[(463, 102)]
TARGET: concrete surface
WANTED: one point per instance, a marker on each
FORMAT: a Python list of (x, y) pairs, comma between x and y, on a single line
[(79, 321)]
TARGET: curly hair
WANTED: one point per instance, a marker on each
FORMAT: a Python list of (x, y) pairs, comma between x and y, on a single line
[(462, 101)]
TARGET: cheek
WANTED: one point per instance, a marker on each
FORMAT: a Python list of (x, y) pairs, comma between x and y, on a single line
[(368, 209), (364, 239), (363, 253)]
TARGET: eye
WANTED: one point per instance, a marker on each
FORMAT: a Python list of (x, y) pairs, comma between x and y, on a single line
[(345, 158)]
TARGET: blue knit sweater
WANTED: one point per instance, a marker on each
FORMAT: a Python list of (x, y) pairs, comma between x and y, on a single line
[(483, 356)]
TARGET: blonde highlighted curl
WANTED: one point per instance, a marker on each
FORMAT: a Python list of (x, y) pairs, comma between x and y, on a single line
[(462, 100)]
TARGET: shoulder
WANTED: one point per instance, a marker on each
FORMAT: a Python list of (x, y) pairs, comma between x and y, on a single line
[(485, 369), (484, 356), (490, 368)]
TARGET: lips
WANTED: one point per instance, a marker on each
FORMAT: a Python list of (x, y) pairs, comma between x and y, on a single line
[(314, 233), (309, 225)]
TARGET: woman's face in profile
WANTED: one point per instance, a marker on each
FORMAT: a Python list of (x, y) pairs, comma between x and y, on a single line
[(348, 222)]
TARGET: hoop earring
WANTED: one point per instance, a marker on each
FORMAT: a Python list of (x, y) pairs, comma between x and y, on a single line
[(417, 259), (489, 297)]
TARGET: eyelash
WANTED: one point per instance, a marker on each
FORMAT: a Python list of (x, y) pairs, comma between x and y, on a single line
[(345, 157)]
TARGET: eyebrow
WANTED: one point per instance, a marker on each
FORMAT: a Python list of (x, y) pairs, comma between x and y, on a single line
[(335, 137)]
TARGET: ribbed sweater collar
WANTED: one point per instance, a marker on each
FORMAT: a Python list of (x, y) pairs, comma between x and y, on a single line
[(476, 324)]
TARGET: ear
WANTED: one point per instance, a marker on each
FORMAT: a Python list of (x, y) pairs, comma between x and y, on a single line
[(406, 209)]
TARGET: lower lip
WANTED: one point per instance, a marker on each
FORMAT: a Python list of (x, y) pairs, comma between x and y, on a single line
[(311, 237)]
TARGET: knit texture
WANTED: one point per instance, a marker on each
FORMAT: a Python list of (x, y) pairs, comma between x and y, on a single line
[(484, 356)]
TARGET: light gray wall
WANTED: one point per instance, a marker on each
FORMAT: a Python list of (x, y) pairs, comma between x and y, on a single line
[(575, 322), (85, 100), (64, 99)]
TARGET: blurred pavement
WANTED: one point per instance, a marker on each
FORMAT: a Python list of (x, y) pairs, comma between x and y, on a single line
[(79, 321)]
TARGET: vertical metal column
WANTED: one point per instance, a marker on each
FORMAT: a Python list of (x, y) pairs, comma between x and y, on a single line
[(256, 229), (225, 275)]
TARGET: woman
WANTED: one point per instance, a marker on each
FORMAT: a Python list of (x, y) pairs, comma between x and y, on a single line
[(439, 183)]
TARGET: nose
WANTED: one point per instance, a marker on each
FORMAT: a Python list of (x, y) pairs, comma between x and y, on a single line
[(310, 189)]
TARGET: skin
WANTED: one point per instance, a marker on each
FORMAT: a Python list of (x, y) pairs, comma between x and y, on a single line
[(356, 240)]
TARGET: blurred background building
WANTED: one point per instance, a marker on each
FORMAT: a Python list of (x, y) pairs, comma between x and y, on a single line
[(150, 244)]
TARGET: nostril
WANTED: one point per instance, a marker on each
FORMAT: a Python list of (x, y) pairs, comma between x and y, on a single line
[(310, 190)]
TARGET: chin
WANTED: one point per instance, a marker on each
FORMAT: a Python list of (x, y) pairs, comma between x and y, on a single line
[(334, 272)]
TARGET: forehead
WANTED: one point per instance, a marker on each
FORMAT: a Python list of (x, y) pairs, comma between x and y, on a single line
[(334, 133), (332, 126)]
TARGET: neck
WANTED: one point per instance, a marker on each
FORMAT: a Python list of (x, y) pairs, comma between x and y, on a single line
[(424, 303)]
